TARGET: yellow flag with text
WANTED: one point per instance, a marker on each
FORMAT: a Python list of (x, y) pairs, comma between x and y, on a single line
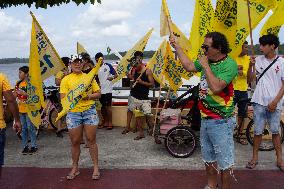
[(275, 21), (50, 61), (164, 19), (156, 63), (80, 49), (201, 25), (78, 90), (225, 19), (34, 88), (124, 65), (258, 9), (172, 70)]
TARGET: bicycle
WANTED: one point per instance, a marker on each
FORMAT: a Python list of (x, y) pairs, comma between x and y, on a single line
[(266, 144)]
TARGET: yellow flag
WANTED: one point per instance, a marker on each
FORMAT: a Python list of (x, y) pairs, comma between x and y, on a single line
[(258, 9), (172, 70), (50, 61), (34, 89), (124, 65), (201, 25), (78, 90), (80, 49), (181, 39), (275, 21), (164, 22), (156, 63), (225, 19)]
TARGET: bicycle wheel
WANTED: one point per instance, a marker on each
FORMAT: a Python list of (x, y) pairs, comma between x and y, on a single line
[(52, 117), (180, 141), (266, 143)]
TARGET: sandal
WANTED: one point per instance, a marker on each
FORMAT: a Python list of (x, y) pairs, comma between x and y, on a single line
[(125, 131), (100, 126), (139, 137), (241, 141), (109, 127), (96, 177), (251, 165), (72, 176)]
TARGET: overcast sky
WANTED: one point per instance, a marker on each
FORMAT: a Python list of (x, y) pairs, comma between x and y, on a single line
[(117, 23)]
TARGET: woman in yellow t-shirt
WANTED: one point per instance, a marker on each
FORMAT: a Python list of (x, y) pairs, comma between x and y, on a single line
[(82, 117), (28, 128)]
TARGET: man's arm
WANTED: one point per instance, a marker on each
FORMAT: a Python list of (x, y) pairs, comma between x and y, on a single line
[(187, 64), (251, 75), (272, 105), (13, 107), (215, 84)]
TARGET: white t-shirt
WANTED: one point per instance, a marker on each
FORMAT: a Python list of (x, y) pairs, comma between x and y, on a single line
[(270, 83), (105, 72)]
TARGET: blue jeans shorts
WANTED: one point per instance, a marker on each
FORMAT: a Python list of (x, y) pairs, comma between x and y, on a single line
[(2, 145), (217, 144), (88, 117), (261, 115)]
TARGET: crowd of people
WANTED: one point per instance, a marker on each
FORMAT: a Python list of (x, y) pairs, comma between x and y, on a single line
[(223, 85)]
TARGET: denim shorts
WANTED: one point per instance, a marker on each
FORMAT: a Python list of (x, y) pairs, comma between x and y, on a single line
[(88, 117), (261, 115), (217, 144), (2, 145)]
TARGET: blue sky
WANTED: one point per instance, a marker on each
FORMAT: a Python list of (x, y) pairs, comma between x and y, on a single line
[(118, 24)]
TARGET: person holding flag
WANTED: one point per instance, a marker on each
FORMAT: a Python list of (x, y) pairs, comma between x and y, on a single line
[(216, 94), (81, 117)]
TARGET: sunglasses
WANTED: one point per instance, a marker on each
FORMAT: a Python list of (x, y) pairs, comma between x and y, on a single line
[(205, 47)]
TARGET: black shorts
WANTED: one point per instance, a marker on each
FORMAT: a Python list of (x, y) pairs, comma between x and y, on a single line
[(106, 99), (240, 100), (2, 145)]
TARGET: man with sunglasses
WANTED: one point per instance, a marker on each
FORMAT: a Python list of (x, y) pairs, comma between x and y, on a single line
[(216, 105)]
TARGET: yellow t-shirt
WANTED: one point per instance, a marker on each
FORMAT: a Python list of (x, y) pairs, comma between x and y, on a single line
[(67, 84), (21, 99), (240, 83), (4, 86), (59, 75)]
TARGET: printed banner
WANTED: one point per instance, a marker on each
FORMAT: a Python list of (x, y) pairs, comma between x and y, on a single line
[(34, 88), (50, 61), (258, 9), (172, 70), (80, 49), (275, 21), (201, 25), (164, 23), (78, 90), (156, 63), (124, 65)]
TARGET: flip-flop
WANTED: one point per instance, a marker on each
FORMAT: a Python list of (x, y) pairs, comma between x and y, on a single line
[(251, 165), (125, 131), (72, 176), (281, 168), (96, 177), (109, 127), (139, 137)]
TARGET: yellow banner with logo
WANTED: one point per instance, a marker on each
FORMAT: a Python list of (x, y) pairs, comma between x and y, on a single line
[(225, 19), (258, 9), (80, 49), (164, 22), (173, 69), (50, 61), (156, 63), (201, 25), (34, 88), (124, 65), (275, 21), (78, 90)]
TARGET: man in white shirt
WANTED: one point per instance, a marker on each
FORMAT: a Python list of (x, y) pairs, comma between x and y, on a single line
[(267, 97), (106, 74)]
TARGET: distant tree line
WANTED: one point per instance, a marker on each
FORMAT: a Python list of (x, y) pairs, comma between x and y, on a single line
[(147, 55)]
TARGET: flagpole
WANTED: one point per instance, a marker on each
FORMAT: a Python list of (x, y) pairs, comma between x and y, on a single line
[(157, 106), (250, 29)]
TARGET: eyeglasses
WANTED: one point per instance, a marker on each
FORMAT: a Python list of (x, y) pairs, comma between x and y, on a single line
[(205, 47)]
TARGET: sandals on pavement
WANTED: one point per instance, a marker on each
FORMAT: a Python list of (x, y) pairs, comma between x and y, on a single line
[(251, 165), (71, 176), (125, 131), (109, 127)]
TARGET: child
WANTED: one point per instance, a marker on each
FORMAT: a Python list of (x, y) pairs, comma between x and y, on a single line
[(28, 129)]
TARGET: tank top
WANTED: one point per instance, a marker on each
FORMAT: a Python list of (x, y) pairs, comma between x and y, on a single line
[(140, 92)]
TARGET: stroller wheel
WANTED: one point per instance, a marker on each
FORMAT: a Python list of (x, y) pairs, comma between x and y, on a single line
[(180, 141)]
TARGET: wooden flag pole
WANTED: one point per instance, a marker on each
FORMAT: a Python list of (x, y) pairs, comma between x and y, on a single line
[(168, 94), (250, 29)]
